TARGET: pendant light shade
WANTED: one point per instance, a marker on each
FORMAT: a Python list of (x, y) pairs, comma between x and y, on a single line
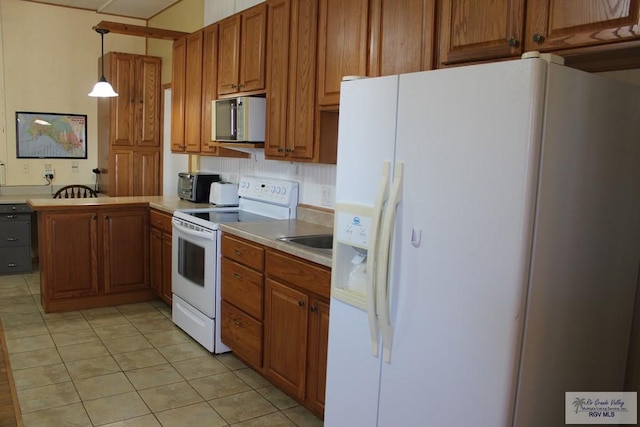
[(102, 89)]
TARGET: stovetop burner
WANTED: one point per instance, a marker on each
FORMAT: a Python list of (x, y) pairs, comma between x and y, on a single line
[(228, 216)]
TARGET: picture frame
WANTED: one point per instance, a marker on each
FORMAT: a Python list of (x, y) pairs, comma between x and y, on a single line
[(51, 135)]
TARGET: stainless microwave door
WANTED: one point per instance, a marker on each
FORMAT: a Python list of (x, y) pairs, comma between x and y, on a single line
[(226, 119)]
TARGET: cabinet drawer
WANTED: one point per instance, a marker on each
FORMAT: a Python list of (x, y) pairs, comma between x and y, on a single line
[(243, 252), (160, 220), (242, 287), (309, 276), (15, 260), (242, 334), (16, 233)]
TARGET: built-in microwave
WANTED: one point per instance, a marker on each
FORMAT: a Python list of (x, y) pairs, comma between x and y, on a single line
[(240, 119)]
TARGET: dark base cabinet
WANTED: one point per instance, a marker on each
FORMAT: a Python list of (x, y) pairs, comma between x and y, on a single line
[(15, 238)]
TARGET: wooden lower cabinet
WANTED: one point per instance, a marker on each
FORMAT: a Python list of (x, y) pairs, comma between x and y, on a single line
[(242, 280), (286, 337), (275, 317), (317, 361), (296, 324), (160, 247), (93, 257)]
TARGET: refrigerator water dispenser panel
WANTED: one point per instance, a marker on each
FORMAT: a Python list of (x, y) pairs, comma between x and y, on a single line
[(352, 233)]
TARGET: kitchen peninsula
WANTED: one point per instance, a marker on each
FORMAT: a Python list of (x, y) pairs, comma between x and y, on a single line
[(95, 252)]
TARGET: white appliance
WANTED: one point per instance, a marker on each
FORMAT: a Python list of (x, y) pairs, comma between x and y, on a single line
[(224, 194), (497, 207), (195, 265), (241, 119)]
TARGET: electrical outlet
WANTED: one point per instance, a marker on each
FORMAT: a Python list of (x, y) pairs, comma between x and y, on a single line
[(48, 172), (25, 168), (326, 196)]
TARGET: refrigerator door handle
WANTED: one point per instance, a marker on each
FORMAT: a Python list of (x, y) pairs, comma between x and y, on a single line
[(381, 198), (382, 267)]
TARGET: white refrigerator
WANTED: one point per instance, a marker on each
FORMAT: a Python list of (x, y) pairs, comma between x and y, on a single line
[(486, 245)]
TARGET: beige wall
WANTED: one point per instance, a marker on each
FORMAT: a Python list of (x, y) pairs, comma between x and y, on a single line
[(186, 16), (50, 56)]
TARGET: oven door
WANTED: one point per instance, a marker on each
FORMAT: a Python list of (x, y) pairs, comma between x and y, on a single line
[(194, 264)]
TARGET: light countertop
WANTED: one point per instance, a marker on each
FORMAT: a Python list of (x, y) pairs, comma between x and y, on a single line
[(264, 233), (267, 234)]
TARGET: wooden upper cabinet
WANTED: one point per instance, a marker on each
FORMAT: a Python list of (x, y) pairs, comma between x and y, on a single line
[(178, 84), (342, 45), (473, 31), (121, 68), (253, 48), (193, 92), (209, 85), (228, 54), (277, 77), (147, 101), (241, 51), (401, 38), (561, 24)]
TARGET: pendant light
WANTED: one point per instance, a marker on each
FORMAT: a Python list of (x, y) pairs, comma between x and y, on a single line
[(102, 89)]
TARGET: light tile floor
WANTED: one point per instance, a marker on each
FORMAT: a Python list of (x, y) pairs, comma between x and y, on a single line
[(127, 366)]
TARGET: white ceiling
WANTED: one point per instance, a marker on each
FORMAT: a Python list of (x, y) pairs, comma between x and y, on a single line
[(141, 9)]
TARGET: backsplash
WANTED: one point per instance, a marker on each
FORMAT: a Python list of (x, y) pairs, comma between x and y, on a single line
[(317, 181)]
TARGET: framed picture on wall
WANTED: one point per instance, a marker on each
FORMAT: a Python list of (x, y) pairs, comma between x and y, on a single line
[(51, 135)]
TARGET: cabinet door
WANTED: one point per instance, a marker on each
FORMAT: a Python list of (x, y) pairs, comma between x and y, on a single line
[(318, 344), (125, 245), (401, 37), (555, 25), (253, 48), (146, 172), (473, 31), (286, 337), (122, 107), (209, 85), (147, 101), (342, 45), (155, 260), (120, 174), (228, 54), (167, 292), (302, 81), (193, 92), (69, 255), (178, 70), (277, 77)]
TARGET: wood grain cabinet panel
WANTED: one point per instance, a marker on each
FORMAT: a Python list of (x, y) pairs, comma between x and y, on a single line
[(160, 246), (93, 257), (129, 126), (125, 250), (472, 30), (555, 24), (318, 345), (178, 94), (286, 337), (342, 45), (242, 51), (401, 38)]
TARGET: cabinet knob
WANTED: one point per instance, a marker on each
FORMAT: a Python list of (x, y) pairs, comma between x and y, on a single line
[(313, 308), (537, 38), (289, 150), (234, 86), (280, 149), (237, 276), (236, 322), (94, 217), (300, 303), (237, 252), (513, 42)]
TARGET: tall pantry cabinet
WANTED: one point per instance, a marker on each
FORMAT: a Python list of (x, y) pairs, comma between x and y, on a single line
[(129, 148)]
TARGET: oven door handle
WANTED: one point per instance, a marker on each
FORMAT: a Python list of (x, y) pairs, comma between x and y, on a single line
[(188, 231)]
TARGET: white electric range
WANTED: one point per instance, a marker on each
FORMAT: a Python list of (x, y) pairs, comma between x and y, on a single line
[(195, 264)]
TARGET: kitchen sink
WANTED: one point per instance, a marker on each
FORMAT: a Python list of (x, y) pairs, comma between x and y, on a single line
[(322, 242)]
